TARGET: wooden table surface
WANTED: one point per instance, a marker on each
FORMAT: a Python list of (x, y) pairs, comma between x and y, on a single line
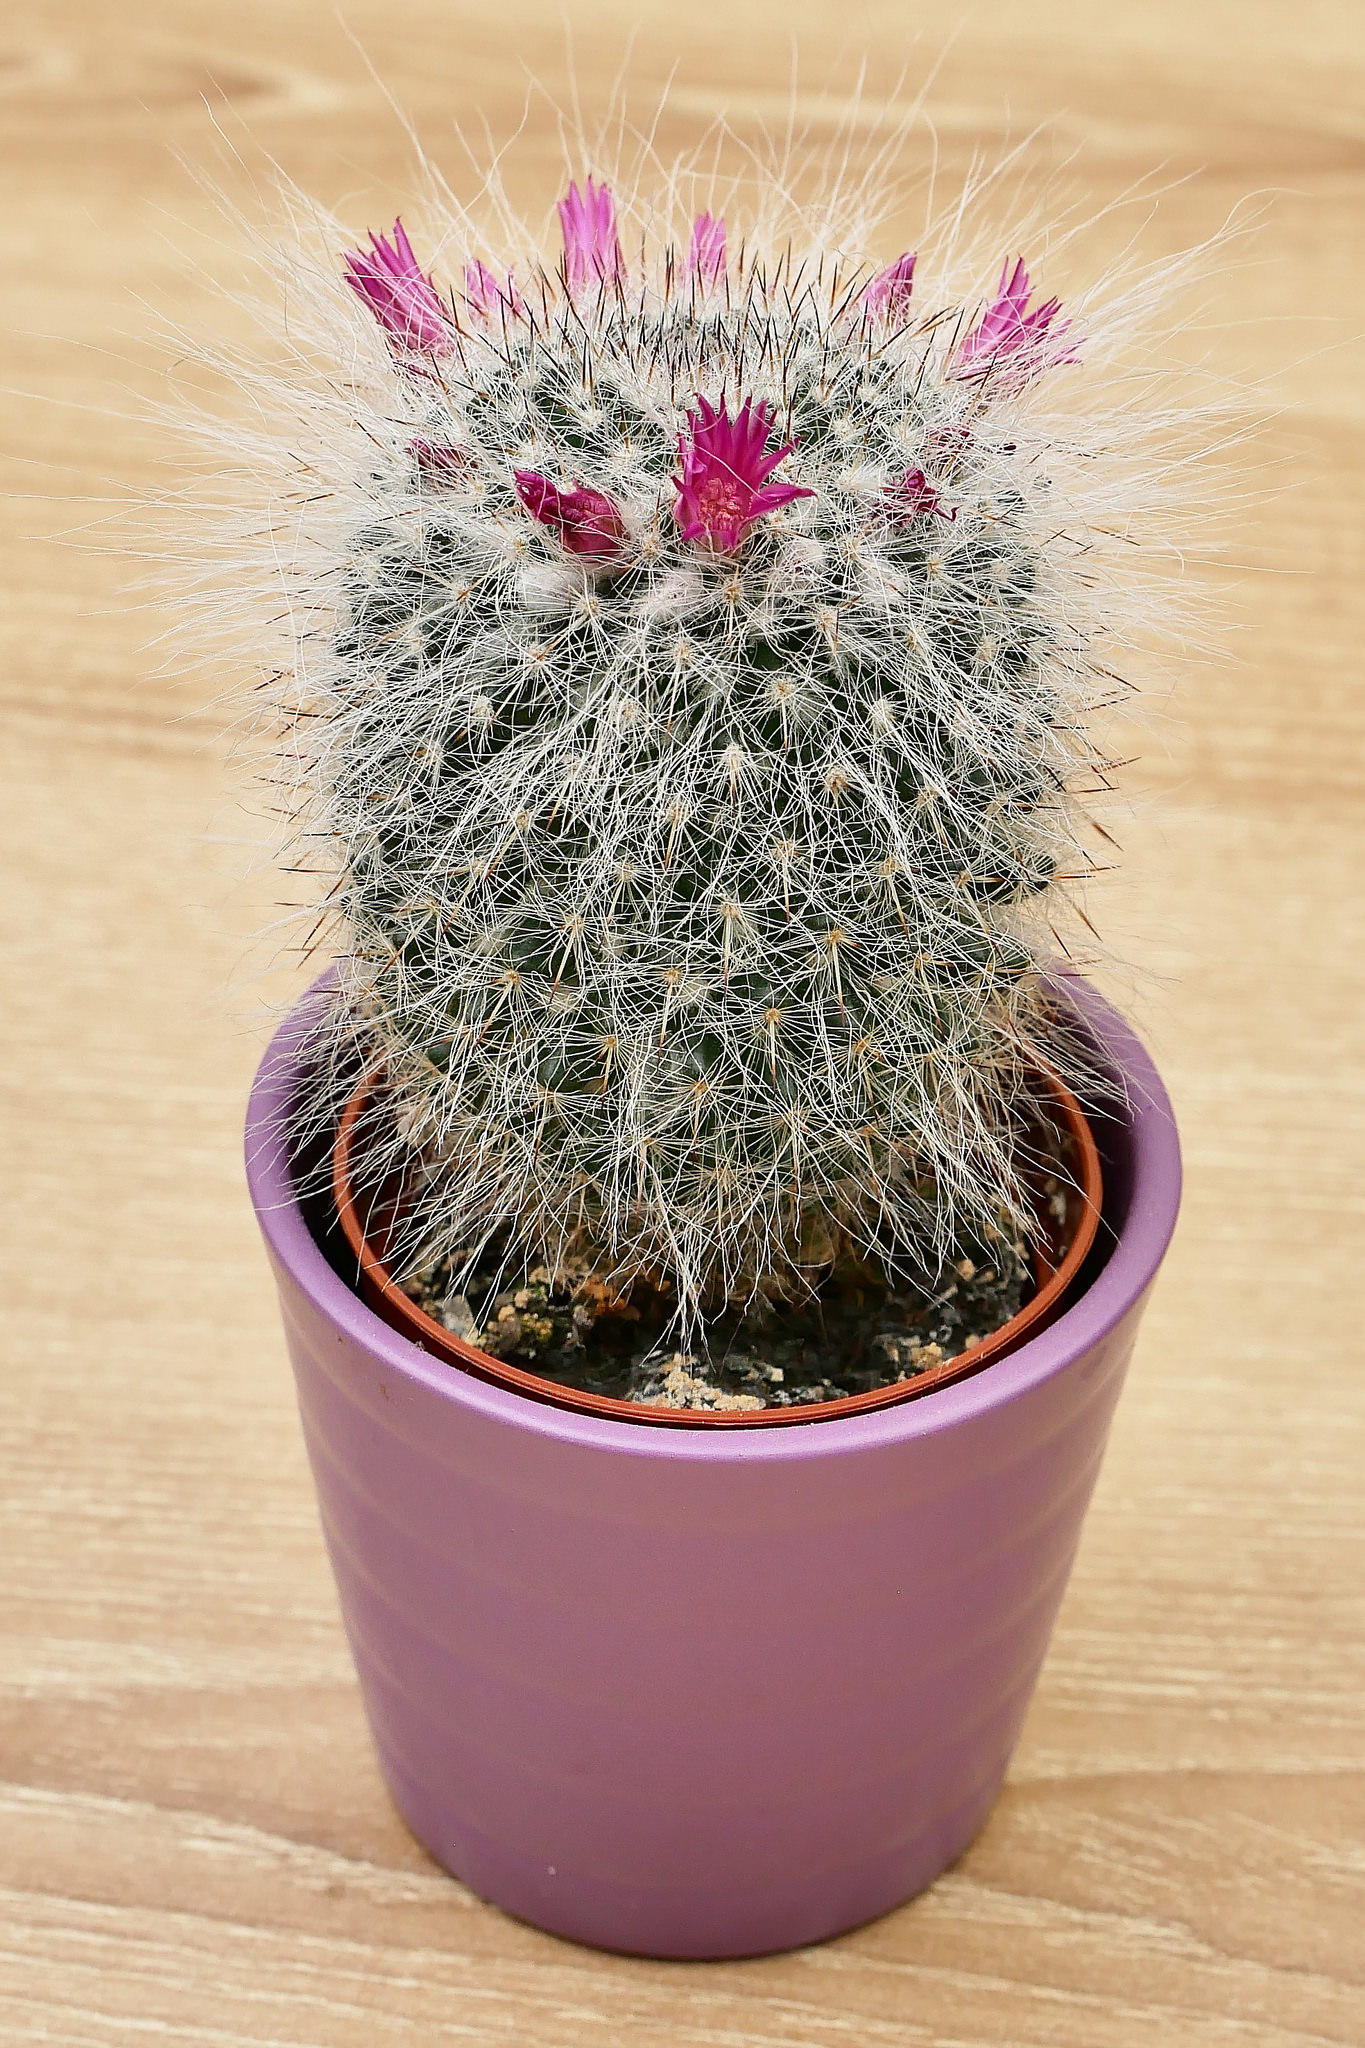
[(195, 1844)]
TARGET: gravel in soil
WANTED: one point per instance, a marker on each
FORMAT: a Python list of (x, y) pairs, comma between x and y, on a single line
[(856, 1334)]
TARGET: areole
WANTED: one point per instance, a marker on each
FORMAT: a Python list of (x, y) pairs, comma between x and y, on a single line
[(385, 1295)]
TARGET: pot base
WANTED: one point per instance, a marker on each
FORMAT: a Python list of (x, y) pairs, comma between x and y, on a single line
[(715, 1924)]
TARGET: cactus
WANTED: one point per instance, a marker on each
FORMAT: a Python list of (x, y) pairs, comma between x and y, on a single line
[(694, 719)]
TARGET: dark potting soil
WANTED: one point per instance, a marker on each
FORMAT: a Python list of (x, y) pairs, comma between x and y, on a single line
[(857, 1333)]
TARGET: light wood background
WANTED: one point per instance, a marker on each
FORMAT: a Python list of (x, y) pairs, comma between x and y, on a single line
[(195, 1845)]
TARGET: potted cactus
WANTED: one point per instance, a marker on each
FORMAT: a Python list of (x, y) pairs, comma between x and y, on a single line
[(706, 1291)]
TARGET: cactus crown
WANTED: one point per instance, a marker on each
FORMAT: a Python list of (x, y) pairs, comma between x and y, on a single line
[(693, 716)]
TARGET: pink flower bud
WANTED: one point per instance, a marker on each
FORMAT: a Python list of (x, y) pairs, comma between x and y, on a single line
[(913, 495), (438, 460), (889, 291), (706, 257), (584, 521), (485, 297), (592, 251), (1009, 341), (403, 299), (947, 443)]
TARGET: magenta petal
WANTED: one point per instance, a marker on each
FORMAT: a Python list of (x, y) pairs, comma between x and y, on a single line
[(773, 496)]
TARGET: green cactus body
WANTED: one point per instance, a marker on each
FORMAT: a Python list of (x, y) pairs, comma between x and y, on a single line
[(697, 899)]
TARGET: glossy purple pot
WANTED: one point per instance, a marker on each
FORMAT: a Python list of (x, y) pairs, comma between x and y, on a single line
[(691, 1693)]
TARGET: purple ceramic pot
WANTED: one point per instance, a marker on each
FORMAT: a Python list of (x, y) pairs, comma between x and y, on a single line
[(705, 1693)]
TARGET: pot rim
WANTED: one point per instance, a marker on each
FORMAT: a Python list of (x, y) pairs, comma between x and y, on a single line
[(1052, 1285), (1139, 1244)]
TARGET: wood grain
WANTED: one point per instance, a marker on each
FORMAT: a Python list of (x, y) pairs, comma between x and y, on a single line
[(195, 1845)]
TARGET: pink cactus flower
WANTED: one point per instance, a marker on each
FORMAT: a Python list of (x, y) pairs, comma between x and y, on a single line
[(913, 495), (592, 251), (403, 299), (724, 484), (584, 521), (485, 297), (889, 291), (439, 460), (1010, 339), (706, 258)]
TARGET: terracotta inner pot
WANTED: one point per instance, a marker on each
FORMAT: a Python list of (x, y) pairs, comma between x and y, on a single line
[(367, 1219)]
